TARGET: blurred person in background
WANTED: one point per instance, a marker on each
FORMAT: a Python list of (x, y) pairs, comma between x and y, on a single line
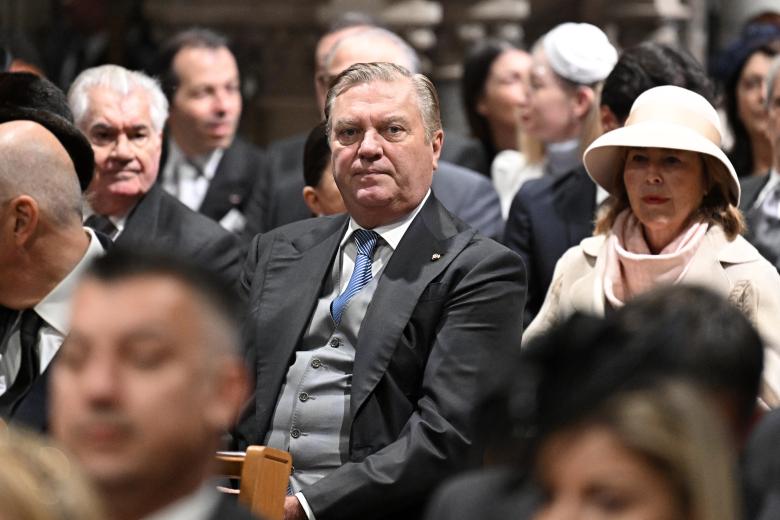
[(761, 195), (743, 68), (204, 163), (493, 86), (550, 214), (38, 482)]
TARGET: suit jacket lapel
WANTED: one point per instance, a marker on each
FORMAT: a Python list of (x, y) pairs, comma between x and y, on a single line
[(407, 274), (142, 221), (222, 193), (287, 295)]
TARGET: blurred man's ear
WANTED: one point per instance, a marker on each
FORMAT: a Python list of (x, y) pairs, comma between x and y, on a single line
[(228, 394), (312, 200)]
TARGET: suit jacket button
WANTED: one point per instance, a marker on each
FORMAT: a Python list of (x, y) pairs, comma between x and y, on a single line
[(295, 433), (303, 397), (335, 343)]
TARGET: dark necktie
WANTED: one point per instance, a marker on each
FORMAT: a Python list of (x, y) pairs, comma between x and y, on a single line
[(366, 245), (102, 224), (29, 366)]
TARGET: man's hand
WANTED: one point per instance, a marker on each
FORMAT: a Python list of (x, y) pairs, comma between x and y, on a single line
[(293, 509)]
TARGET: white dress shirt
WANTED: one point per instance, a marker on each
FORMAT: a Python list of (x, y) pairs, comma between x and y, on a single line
[(188, 178)]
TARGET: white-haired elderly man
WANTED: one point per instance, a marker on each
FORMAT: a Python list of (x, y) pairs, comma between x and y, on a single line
[(122, 113)]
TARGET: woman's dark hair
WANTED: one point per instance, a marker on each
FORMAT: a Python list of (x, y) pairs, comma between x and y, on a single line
[(316, 155), (755, 38), (476, 69), (649, 65)]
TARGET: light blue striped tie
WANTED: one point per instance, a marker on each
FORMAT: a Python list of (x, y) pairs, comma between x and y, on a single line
[(366, 244)]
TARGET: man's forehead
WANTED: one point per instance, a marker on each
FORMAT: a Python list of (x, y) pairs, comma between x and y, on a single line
[(391, 95), (132, 108), (191, 60)]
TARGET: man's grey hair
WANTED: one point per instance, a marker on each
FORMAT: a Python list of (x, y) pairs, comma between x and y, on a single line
[(361, 73), (411, 61), (122, 81), (771, 80)]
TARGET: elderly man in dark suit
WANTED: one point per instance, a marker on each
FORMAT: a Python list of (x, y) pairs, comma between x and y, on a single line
[(205, 164), (44, 164), (122, 113), (464, 192), (369, 332)]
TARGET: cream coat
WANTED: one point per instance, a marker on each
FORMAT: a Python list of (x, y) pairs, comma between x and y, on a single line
[(734, 269)]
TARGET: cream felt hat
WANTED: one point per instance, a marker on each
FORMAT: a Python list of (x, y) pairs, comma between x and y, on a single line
[(663, 117)]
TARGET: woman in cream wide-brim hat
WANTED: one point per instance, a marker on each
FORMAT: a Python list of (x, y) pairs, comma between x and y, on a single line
[(672, 218)]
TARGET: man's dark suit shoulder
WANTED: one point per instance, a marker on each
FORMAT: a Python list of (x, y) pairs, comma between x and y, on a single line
[(761, 469), (160, 220), (488, 494), (548, 216)]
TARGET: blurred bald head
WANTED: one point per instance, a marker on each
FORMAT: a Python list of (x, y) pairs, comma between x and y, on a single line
[(33, 162), (364, 45)]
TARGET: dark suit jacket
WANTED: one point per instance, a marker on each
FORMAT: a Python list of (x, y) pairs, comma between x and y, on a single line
[(433, 324), (490, 494), (160, 221), (238, 170), (548, 216), (750, 187), (761, 469), (278, 200)]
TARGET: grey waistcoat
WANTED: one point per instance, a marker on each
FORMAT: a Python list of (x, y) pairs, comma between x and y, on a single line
[(312, 416)]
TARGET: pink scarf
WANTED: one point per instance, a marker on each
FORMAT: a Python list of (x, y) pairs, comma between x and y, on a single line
[(631, 269)]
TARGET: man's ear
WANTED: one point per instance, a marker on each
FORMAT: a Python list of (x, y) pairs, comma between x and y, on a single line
[(312, 200), (437, 141), (25, 214), (609, 120), (583, 98)]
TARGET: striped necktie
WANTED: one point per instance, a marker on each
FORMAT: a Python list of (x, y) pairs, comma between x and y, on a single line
[(366, 245)]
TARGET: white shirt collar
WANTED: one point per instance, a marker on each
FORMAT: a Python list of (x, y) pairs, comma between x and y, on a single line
[(207, 162), (390, 233), (54, 308), (197, 506)]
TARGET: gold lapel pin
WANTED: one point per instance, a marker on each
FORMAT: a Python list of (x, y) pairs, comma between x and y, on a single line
[(435, 256)]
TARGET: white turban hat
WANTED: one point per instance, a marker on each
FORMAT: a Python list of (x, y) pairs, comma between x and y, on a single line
[(579, 52)]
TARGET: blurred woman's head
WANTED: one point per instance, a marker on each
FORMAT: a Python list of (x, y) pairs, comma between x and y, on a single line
[(494, 86), (657, 453), (569, 64), (666, 165), (743, 67), (38, 482)]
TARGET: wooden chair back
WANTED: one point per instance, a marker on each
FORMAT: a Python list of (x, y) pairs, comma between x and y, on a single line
[(264, 474)]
